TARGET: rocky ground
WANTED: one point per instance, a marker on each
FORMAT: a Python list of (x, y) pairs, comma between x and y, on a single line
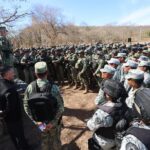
[(78, 108)]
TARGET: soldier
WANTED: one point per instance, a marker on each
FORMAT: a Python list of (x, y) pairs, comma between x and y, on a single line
[(114, 62), (81, 66), (10, 109), (107, 73), (58, 64), (107, 116), (72, 59), (130, 64), (100, 62), (26, 61), (119, 72), (51, 134), (138, 135), (144, 66), (135, 79)]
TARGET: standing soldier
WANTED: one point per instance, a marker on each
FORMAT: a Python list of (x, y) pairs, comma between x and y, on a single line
[(25, 63), (58, 63), (10, 109), (44, 114), (81, 65), (72, 59)]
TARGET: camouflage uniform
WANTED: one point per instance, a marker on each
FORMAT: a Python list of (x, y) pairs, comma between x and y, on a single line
[(100, 98), (51, 138), (101, 119), (81, 66), (58, 64), (131, 142), (72, 59), (26, 61)]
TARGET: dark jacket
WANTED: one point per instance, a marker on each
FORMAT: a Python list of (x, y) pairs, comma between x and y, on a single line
[(10, 102)]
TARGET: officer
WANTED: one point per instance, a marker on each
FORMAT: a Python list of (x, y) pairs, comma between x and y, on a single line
[(51, 135), (11, 109)]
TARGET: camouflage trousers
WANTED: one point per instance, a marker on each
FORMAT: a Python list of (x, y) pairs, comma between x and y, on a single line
[(83, 80), (51, 139)]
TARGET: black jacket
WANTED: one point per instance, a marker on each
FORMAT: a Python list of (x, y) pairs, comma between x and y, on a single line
[(10, 102)]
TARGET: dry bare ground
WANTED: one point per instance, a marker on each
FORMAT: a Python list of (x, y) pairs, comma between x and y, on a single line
[(74, 136), (78, 108)]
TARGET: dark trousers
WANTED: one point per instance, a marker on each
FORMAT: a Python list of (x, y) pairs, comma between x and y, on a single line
[(16, 132)]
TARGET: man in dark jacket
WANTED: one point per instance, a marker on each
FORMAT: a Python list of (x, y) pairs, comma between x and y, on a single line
[(10, 108)]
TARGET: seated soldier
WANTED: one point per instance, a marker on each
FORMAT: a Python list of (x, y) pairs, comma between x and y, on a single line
[(138, 135), (106, 73), (104, 120)]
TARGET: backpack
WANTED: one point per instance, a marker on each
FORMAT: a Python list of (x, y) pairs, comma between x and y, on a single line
[(42, 104), (140, 133), (142, 103), (4, 89)]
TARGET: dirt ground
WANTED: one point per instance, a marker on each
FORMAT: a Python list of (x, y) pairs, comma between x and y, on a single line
[(78, 108)]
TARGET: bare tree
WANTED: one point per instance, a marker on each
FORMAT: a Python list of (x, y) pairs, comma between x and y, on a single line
[(51, 21), (8, 17)]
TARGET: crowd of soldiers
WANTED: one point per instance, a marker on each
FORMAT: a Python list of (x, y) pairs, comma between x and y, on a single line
[(79, 65), (118, 70)]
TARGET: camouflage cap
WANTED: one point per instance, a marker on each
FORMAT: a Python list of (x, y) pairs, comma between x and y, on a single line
[(136, 55), (40, 67), (135, 74)]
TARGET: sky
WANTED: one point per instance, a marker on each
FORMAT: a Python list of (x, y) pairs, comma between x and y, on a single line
[(90, 12)]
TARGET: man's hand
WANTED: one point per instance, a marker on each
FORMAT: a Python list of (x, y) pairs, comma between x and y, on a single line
[(49, 126), (38, 123)]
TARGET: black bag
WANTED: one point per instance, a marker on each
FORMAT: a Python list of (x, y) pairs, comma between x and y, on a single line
[(4, 89), (142, 103), (42, 104), (93, 145), (142, 134)]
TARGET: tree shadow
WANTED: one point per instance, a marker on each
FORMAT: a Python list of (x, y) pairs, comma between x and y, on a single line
[(72, 145), (79, 113)]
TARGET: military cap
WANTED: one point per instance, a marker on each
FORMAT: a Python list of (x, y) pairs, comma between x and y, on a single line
[(114, 61), (100, 53), (144, 63), (114, 89), (136, 55), (80, 51), (143, 58), (130, 63), (121, 55), (145, 51), (135, 74), (40, 67), (108, 69)]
